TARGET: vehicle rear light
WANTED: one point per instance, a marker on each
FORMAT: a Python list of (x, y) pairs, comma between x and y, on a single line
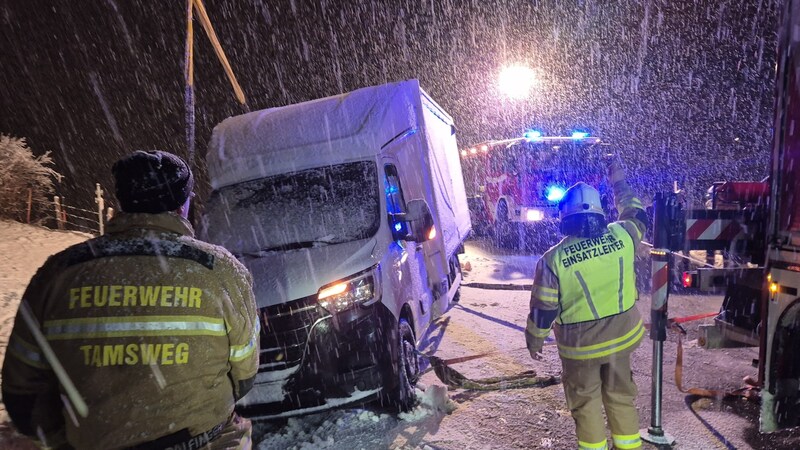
[(432, 233), (688, 279)]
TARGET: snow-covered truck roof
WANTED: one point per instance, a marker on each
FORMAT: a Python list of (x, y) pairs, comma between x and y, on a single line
[(341, 128)]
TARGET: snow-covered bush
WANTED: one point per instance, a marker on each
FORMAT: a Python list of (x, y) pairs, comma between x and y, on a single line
[(21, 170)]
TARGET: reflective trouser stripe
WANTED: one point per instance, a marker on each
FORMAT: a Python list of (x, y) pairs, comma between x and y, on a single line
[(133, 326), (240, 352), (627, 441), (602, 445), (604, 348), (587, 294), (27, 353)]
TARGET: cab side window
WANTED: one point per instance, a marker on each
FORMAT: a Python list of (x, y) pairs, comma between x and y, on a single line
[(395, 203)]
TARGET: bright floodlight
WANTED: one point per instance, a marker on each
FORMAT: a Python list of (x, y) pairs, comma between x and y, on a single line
[(517, 81)]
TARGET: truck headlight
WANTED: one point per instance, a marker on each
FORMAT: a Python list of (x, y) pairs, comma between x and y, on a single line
[(533, 215), (363, 288)]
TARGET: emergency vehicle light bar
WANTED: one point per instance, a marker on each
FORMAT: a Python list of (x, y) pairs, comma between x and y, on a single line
[(531, 136)]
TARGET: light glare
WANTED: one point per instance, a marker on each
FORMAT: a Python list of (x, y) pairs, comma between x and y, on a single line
[(517, 81)]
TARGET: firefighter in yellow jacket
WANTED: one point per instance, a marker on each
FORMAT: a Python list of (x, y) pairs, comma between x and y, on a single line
[(586, 285), (157, 331)]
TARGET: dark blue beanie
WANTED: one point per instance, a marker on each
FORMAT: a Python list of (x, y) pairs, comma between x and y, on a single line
[(152, 182)]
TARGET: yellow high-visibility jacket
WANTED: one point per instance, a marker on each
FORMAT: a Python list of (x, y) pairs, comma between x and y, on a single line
[(587, 286), (157, 330)]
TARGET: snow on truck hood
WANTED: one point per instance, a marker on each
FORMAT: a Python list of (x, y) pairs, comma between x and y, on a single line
[(279, 277), (327, 131)]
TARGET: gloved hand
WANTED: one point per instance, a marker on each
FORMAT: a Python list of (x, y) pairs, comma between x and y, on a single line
[(615, 171), (534, 345)]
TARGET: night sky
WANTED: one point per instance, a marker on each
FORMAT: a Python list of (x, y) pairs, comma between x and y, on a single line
[(672, 84)]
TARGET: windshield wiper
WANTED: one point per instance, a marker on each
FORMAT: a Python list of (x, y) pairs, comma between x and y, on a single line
[(288, 246)]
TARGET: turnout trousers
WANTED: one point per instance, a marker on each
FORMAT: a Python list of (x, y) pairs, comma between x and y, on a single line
[(589, 386)]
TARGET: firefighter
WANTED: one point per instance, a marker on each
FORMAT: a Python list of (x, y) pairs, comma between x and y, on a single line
[(586, 285), (157, 331)]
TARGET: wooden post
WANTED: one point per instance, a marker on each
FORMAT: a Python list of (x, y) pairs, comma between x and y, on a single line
[(59, 216), (101, 205), (189, 82), (30, 203)]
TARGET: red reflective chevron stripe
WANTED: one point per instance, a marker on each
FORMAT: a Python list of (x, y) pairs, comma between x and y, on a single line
[(697, 228)]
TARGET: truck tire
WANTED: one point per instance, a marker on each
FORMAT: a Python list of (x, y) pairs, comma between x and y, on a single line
[(401, 398)]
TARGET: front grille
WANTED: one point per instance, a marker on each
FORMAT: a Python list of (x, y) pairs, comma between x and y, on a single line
[(284, 332)]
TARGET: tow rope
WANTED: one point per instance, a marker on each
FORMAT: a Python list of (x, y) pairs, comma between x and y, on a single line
[(455, 379)]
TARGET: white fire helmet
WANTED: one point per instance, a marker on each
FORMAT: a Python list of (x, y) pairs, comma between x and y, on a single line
[(580, 199)]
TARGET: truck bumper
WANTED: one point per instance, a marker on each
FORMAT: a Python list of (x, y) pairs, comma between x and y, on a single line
[(312, 361)]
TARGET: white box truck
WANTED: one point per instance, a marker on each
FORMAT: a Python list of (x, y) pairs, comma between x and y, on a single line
[(350, 213)]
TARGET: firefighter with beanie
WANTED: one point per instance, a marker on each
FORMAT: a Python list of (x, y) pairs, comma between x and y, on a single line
[(157, 331), (586, 285)]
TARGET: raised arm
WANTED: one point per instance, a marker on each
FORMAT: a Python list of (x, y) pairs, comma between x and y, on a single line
[(632, 215)]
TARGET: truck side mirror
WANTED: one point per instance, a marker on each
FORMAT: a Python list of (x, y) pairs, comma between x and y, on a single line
[(421, 220)]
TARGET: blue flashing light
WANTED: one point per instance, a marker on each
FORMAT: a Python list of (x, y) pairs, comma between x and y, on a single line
[(532, 134), (398, 226), (555, 193), (392, 190), (579, 135)]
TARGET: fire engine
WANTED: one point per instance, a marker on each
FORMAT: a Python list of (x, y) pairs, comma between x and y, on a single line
[(514, 185), (757, 225)]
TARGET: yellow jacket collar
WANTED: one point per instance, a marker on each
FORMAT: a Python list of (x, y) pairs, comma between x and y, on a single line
[(168, 222)]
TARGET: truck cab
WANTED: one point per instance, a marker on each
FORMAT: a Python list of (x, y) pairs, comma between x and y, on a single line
[(350, 213)]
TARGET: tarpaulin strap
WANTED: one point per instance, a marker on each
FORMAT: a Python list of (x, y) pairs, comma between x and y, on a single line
[(679, 320), (692, 318)]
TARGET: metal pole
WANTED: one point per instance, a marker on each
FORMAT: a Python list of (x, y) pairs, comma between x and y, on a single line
[(656, 393), (100, 207), (660, 258)]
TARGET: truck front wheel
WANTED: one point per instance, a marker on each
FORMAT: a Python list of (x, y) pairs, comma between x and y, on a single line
[(406, 374)]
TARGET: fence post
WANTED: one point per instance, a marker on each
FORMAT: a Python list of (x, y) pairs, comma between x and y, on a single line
[(100, 206), (30, 204), (59, 216)]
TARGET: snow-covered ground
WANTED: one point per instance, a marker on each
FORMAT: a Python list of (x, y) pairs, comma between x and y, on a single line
[(489, 318)]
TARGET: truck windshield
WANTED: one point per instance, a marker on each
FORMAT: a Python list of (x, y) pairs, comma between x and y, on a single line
[(315, 207)]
